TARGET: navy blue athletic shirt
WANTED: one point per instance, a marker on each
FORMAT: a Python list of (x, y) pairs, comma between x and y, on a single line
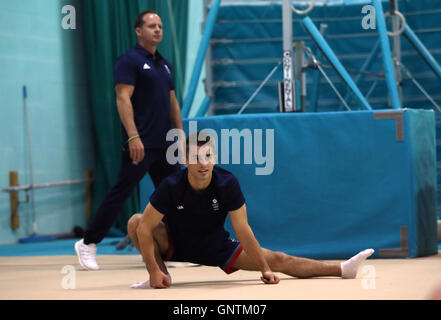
[(196, 219), (153, 81)]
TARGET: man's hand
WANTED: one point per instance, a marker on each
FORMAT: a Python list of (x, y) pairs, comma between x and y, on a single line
[(159, 280), (269, 278), (136, 148), (146, 284)]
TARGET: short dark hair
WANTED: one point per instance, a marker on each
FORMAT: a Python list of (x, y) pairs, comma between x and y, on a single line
[(139, 22), (199, 138)]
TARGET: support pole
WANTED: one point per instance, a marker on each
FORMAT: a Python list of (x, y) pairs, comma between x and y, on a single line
[(209, 91), (176, 49), (13, 197), (204, 107), (422, 51), (256, 92), (209, 25), (288, 93), (315, 88), (439, 230), (31, 167), (396, 46), (300, 75), (387, 56), (330, 55), (366, 65)]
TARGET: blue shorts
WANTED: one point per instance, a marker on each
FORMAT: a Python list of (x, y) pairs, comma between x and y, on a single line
[(222, 258)]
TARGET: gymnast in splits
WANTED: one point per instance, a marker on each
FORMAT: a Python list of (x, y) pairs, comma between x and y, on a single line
[(184, 221)]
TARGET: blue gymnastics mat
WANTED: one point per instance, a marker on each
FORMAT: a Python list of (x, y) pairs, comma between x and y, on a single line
[(65, 247), (60, 247)]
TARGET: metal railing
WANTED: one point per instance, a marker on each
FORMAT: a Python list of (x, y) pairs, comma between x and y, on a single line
[(46, 185), (14, 188)]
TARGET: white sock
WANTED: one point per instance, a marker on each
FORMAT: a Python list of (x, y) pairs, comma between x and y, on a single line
[(349, 268), (146, 284)]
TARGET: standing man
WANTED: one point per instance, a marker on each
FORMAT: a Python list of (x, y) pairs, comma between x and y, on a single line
[(195, 203), (147, 106)]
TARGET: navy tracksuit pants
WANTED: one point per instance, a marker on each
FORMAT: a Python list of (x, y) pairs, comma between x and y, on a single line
[(154, 162)]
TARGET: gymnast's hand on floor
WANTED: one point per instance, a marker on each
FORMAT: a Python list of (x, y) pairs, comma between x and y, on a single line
[(146, 284), (159, 280), (269, 278)]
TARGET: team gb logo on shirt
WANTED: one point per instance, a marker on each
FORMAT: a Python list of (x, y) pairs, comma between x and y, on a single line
[(215, 205)]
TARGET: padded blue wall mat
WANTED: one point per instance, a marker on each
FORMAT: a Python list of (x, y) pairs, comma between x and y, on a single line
[(60, 247), (342, 182)]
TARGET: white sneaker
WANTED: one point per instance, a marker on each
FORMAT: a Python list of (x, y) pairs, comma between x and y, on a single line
[(86, 255)]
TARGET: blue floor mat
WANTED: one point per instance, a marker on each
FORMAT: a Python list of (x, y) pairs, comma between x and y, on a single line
[(66, 247), (61, 247)]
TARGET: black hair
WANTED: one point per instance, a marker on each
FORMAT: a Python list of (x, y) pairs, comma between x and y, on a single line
[(201, 138), (139, 22)]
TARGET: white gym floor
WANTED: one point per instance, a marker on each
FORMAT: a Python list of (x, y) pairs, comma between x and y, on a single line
[(60, 277)]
